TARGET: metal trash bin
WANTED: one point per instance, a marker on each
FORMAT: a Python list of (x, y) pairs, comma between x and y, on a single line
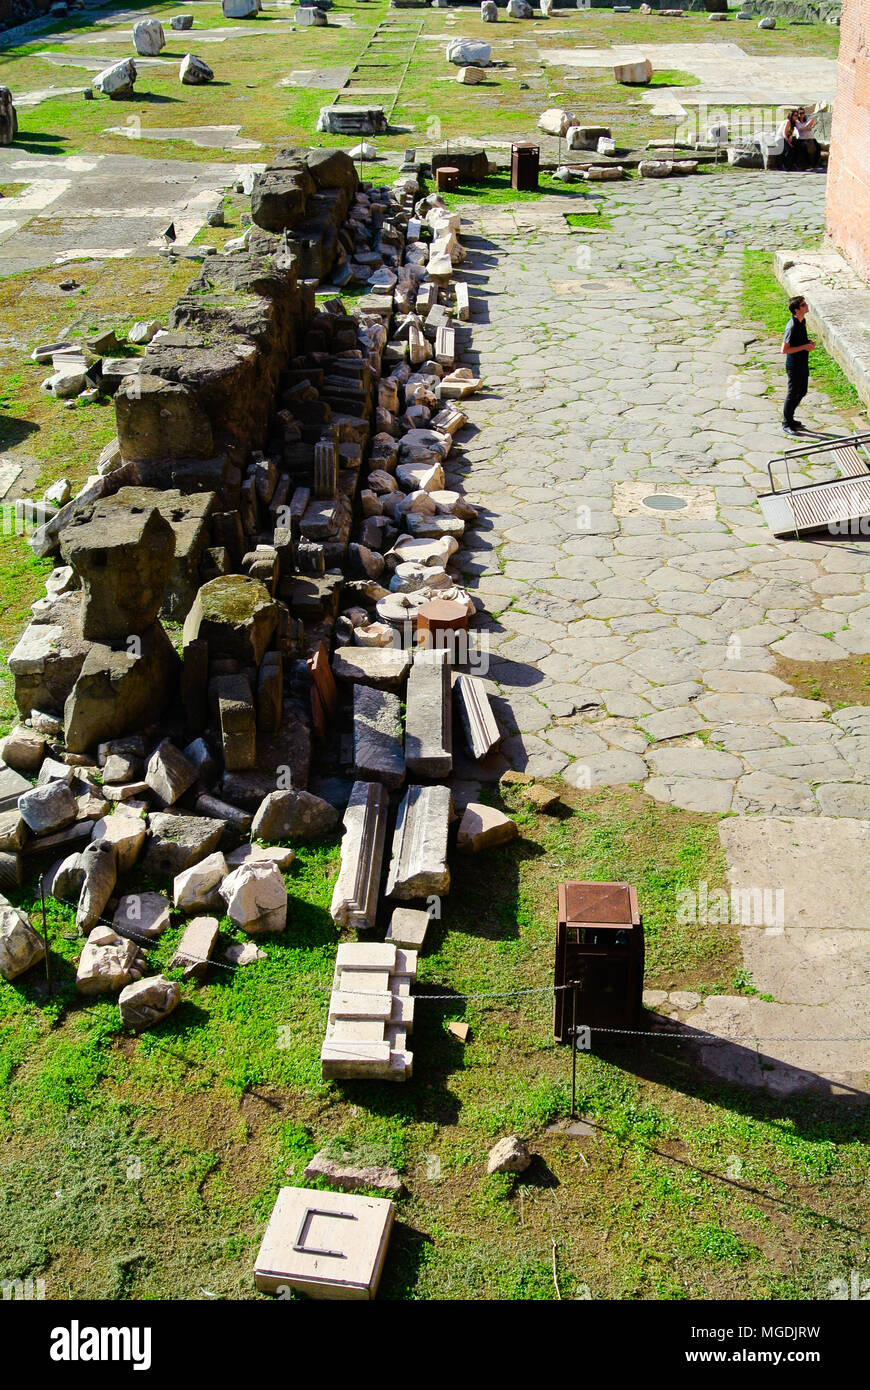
[(599, 958), (525, 166)]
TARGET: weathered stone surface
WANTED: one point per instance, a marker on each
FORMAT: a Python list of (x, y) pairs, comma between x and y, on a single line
[(107, 962), (408, 927), (293, 815), (47, 808), (126, 835), (148, 1002), (256, 898), (236, 616), (242, 955), (100, 874), (14, 833), (117, 81), (148, 37), (168, 773), (377, 736), (276, 853), (509, 1155), (23, 749), (194, 950), (20, 945), (47, 660), (483, 827), (355, 896), (469, 53), (196, 889), (238, 723), (194, 72), (175, 842), (118, 691), (428, 715), (141, 916), (482, 733), (418, 867), (385, 668), (159, 419), (348, 1178)]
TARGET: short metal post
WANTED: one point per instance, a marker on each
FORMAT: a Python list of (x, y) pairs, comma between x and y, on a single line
[(574, 1050), (45, 933)]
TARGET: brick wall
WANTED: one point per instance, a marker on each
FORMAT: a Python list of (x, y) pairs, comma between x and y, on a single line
[(849, 170)]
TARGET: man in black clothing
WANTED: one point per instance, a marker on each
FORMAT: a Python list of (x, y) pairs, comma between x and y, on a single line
[(796, 346)]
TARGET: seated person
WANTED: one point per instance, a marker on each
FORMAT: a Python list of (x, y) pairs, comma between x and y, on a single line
[(808, 143)]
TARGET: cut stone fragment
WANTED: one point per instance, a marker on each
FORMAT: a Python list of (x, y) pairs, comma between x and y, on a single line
[(47, 808), (386, 668), (175, 842), (147, 1002), (20, 945), (408, 927), (168, 773), (256, 897), (194, 950), (377, 735), (12, 785), (428, 723), (355, 897), (348, 1178), (325, 1244), (141, 916), (509, 1155), (123, 558), (196, 889), (23, 749), (97, 861), (482, 733), (276, 853), (418, 868), (293, 815), (107, 962), (236, 616), (117, 692), (483, 827), (237, 722), (242, 955)]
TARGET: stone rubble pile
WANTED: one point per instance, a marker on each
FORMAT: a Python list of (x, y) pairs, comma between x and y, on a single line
[(276, 488)]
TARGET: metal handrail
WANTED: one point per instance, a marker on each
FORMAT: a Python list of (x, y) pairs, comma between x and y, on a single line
[(825, 446)]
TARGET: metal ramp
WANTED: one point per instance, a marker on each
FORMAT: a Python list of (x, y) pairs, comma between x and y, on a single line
[(808, 507)]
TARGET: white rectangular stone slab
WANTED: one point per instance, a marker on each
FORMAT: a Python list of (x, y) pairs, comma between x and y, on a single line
[(338, 1253)]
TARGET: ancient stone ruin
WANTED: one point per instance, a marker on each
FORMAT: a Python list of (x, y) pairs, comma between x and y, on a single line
[(259, 560)]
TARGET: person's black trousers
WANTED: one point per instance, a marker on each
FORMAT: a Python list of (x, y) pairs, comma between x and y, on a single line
[(798, 385)]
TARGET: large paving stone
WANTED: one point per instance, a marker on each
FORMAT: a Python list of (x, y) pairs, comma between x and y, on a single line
[(819, 861)]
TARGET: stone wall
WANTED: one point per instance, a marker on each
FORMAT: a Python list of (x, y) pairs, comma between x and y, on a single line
[(849, 164)]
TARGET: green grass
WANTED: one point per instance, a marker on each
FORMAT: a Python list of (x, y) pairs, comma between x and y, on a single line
[(766, 302), (495, 191), (146, 1167)]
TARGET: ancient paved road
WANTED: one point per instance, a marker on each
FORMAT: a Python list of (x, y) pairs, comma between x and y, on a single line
[(629, 645), (635, 646)]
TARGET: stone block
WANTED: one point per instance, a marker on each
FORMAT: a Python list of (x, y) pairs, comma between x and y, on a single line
[(119, 690), (148, 1002), (325, 1244), (377, 735), (270, 693), (235, 616), (141, 916), (238, 722), (256, 897), (408, 927), (148, 37), (107, 963), (482, 733), (47, 808), (385, 668), (483, 827), (428, 720), (20, 946), (168, 773), (23, 749), (126, 835), (175, 842), (418, 868), (196, 889), (194, 950), (633, 74), (123, 559), (293, 815), (355, 897), (100, 873)]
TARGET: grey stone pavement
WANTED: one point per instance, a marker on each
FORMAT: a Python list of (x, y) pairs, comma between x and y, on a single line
[(629, 645), (102, 205)]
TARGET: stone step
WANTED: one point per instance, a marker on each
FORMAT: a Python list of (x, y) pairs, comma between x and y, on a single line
[(418, 868)]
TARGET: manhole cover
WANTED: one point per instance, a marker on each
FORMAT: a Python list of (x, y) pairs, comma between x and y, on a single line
[(664, 502)]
